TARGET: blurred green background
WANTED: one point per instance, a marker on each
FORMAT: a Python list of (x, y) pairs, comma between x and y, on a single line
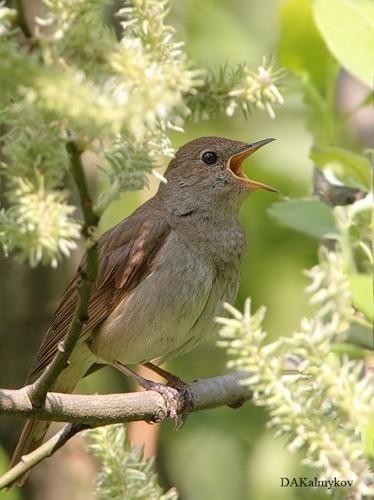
[(221, 454)]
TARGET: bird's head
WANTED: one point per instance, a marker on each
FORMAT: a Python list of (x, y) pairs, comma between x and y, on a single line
[(210, 169)]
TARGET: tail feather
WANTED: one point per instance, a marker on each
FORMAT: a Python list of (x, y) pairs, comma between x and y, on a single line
[(33, 432), (31, 437)]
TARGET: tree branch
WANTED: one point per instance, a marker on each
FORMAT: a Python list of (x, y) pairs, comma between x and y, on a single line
[(44, 451), (37, 392), (95, 410)]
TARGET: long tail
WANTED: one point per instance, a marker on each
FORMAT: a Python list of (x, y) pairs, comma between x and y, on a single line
[(34, 431), (31, 437)]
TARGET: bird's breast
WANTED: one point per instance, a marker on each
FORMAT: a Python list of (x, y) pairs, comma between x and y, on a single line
[(173, 307)]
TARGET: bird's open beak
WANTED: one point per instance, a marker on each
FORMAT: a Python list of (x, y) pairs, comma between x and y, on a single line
[(235, 165)]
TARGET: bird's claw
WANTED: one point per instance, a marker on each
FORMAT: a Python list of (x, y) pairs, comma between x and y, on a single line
[(176, 393), (171, 397), (185, 401), (178, 400)]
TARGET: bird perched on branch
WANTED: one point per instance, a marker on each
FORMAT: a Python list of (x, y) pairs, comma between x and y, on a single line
[(164, 273)]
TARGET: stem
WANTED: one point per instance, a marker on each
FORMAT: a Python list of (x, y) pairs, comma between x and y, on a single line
[(22, 21), (45, 450), (38, 391), (90, 217), (330, 114)]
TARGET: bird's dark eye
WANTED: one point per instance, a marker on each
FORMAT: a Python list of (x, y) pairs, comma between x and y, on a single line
[(209, 157)]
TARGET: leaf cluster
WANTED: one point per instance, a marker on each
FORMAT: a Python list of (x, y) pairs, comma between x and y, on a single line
[(124, 473)]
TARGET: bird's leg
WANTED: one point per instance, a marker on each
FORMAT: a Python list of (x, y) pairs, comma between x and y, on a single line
[(183, 389), (170, 393), (171, 379)]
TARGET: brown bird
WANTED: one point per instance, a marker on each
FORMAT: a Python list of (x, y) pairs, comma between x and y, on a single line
[(164, 273)]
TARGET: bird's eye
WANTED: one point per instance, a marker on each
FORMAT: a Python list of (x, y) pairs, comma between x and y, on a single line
[(209, 157)]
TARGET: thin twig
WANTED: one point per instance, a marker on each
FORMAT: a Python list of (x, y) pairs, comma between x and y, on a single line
[(334, 195), (94, 410), (44, 451), (38, 391)]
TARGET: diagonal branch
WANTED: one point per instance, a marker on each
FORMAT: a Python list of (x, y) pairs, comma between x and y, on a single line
[(37, 392), (92, 411), (44, 451)]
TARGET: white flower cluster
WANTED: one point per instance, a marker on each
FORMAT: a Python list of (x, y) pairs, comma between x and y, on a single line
[(330, 291), (258, 89), (153, 74), (39, 224), (238, 88), (129, 161), (124, 473), (7, 16), (322, 402), (78, 34), (139, 81)]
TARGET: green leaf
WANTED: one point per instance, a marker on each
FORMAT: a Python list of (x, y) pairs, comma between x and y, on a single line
[(362, 293), (344, 164), (352, 351), (360, 335), (301, 48), (347, 27), (309, 216)]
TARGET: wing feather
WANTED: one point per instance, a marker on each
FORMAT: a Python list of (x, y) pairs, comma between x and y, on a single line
[(126, 253)]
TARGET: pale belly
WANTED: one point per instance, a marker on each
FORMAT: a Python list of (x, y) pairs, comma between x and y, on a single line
[(169, 313)]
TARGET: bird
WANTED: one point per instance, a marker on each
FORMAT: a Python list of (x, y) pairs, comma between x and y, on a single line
[(164, 273)]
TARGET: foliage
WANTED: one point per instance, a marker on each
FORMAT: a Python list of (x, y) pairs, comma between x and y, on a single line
[(318, 391), (238, 88), (351, 168), (339, 22), (301, 47), (321, 401), (124, 473), (326, 124), (39, 222), (117, 96), (307, 215)]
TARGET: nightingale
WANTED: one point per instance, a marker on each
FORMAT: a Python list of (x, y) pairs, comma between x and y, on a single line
[(164, 273)]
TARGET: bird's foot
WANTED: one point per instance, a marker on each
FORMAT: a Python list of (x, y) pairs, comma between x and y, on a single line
[(185, 400), (170, 395), (176, 393)]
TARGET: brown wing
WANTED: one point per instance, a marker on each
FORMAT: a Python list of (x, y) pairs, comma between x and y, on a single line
[(125, 256)]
